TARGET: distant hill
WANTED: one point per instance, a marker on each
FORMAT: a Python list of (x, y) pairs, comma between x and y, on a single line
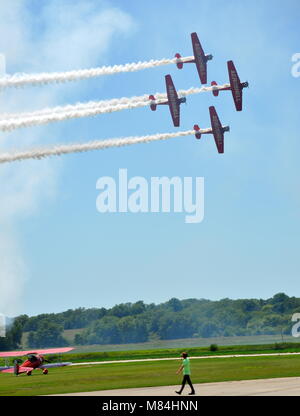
[(176, 319)]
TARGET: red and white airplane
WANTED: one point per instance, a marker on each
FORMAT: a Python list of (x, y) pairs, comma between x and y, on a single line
[(236, 86), (200, 59), (173, 101), (217, 130), (35, 361)]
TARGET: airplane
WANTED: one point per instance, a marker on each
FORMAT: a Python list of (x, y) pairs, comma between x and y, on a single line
[(173, 101), (200, 59), (236, 86), (216, 129), (35, 361)]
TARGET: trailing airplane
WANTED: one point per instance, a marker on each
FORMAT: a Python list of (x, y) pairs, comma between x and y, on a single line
[(217, 130)]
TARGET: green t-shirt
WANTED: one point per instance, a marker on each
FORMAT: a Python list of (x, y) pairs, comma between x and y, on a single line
[(186, 366)]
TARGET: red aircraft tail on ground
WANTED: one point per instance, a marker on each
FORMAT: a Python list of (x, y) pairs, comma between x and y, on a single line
[(200, 59), (236, 86), (217, 130), (173, 101)]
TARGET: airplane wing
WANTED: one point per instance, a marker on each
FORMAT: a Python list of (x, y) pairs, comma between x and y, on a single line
[(200, 59), (4, 369), (217, 129), (44, 351), (173, 100), (54, 365), (236, 88), (21, 370)]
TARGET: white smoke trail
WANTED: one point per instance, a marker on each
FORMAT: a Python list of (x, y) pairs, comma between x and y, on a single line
[(71, 37), (12, 124), (92, 145), (20, 80), (18, 120), (73, 107)]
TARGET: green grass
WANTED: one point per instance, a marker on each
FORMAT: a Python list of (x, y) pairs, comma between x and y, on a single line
[(69, 334), (146, 374), (176, 352)]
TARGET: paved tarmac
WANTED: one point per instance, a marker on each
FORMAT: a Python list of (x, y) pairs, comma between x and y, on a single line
[(289, 386)]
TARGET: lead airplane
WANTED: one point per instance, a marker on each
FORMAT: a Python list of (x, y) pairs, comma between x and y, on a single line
[(236, 86), (217, 130), (173, 101), (35, 361), (200, 59)]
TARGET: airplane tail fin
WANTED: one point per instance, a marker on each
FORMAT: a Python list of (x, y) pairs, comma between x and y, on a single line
[(179, 64), (215, 92), (197, 130), (152, 104)]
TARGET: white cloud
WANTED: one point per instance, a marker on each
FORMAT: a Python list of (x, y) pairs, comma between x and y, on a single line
[(61, 35)]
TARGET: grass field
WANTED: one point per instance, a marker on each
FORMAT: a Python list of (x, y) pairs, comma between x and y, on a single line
[(146, 374), (83, 356)]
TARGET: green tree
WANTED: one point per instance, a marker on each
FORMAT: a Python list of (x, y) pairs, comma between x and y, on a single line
[(48, 334), (175, 304)]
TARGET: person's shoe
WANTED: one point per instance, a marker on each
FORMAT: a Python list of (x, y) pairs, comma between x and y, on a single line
[(192, 393), (178, 392)]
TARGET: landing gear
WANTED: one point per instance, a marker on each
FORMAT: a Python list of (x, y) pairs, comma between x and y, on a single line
[(29, 373), (45, 371)]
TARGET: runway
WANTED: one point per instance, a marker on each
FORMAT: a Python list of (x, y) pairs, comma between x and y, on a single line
[(203, 357), (289, 386)]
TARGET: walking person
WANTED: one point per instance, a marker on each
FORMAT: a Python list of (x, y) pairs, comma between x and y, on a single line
[(186, 371)]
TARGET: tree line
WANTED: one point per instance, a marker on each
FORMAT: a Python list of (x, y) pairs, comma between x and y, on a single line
[(174, 319)]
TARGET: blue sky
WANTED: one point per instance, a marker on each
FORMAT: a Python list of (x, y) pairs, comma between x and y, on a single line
[(58, 252)]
